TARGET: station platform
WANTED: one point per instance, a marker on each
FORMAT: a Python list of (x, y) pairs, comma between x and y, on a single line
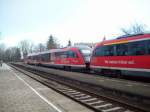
[(20, 93)]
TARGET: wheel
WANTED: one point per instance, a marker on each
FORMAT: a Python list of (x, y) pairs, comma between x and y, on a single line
[(67, 68), (119, 74)]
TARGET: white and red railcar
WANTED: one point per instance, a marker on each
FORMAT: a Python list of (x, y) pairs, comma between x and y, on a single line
[(128, 55), (71, 57)]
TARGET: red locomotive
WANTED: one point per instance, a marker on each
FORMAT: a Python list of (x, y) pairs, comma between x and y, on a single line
[(128, 55), (72, 57)]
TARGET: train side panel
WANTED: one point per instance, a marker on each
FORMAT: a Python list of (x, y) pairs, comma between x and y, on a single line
[(71, 58), (137, 62)]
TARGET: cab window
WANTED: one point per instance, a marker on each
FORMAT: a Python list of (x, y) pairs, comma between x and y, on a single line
[(72, 54), (85, 52)]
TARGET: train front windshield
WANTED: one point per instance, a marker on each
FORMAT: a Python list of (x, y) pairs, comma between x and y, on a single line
[(86, 53)]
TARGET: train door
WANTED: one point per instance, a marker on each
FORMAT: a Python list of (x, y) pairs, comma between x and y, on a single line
[(52, 57), (73, 58), (64, 58)]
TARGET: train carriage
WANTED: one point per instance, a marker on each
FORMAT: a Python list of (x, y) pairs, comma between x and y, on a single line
[(77, 57), (32, 58), (128, 55)]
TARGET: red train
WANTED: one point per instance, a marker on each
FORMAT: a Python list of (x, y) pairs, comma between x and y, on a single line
[(127, 55), (72, 57)]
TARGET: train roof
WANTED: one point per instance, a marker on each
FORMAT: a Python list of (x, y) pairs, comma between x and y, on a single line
[(61, 49), (125, 39), (79, 47), (43, 52)]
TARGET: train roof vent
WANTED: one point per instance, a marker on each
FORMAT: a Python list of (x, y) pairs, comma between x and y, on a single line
[(129, 35)]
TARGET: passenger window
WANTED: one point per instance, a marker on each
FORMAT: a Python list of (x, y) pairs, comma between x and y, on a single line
[(137, 48), (148, 46), (64, 55), (122, 49), (99, 51), (105, 51), (109, 50), (45, 57), (52, 56), (58, 54), (33, 57)]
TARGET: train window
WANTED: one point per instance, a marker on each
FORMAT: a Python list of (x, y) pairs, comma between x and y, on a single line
[(109, 50), (29, 57), (33, 57), (42, 57), (137, 48), (132, 48), (122, 49), (49, 56), (148, 46), (72, 54), (45, 57), (63, 54), (52, 56), (37, 57), (100, 51), (85, 52), (58, 54), (105, 50)]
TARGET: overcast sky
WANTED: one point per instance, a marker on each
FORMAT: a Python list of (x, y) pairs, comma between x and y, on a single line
[(77, 20)]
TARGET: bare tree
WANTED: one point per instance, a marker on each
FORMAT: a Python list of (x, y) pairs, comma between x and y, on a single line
[(15, 54), (134, 29), (31, 47), (39, 48), (12, 54), (2, 51), (26, 47), (9, 54)]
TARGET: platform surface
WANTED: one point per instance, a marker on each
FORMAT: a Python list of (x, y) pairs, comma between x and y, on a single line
[(19, 93)]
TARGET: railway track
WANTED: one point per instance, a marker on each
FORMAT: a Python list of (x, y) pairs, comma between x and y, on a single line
[(81, 93), (120, 77)]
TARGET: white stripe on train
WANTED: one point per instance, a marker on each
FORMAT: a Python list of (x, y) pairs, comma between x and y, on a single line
[(65, 65), (119, 68)]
